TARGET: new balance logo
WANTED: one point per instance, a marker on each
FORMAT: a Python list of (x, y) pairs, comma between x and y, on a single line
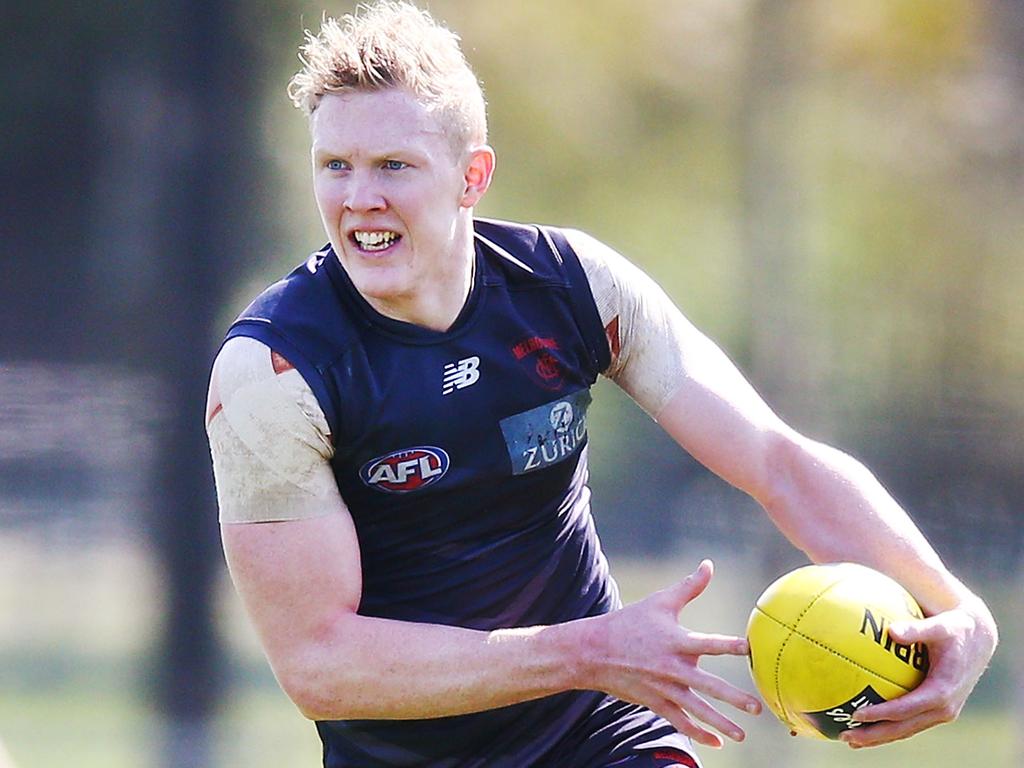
[(460, 375)]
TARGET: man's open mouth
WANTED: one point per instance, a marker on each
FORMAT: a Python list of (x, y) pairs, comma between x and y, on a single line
[(374, 241)]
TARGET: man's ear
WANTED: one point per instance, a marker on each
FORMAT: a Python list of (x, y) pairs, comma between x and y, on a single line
[(479, 171)]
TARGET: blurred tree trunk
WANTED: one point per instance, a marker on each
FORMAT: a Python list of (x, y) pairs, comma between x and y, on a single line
[(1008, 33), (47, 154), (171, 117), (205, 85), (771, 214), (771, 235), (123, 197), (1008, 25)]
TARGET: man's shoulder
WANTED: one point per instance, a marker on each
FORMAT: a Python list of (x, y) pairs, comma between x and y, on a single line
[(299, 315), (308, 282), (529, 251)]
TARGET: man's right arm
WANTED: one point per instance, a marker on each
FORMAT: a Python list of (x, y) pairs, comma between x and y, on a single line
[(293, 554)]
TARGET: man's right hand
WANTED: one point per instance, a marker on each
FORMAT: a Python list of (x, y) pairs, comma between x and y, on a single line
[(642, 654)]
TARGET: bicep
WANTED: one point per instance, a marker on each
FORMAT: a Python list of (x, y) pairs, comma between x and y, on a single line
[(288, 537), (718, 417), (296, 578)]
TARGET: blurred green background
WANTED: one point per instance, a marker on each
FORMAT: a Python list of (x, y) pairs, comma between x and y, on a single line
[(831, 190)]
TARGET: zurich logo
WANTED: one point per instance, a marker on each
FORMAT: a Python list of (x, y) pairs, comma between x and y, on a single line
[(410, 469), (547, 434), (561, 417)]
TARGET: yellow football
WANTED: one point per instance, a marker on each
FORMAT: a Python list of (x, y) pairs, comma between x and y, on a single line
[(820, 646)]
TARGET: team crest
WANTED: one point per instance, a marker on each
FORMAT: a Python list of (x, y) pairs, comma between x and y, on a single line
[(539, 355), (407, 470)]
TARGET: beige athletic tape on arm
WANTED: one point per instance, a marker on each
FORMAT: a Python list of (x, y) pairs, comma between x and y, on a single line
[(269, 440), (649, 366)]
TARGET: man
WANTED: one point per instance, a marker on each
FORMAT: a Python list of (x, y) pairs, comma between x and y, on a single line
[(398, 431)]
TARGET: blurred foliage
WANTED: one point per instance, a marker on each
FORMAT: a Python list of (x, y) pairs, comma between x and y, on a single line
[(634, 136), (893, 267)]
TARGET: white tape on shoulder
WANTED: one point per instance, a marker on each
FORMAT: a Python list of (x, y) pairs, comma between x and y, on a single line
[(651, 330), (269, 441)]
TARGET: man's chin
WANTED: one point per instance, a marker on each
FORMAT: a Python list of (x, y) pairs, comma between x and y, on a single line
[(383, 295)]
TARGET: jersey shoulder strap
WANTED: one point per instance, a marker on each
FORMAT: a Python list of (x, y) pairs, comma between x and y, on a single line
[(541, 255), (584, 307), (301, 318)]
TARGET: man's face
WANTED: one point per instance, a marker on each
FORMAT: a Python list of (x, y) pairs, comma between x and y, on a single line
[(392, 195)]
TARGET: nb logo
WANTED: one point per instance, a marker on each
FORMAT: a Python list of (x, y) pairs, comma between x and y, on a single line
[(460, 375)]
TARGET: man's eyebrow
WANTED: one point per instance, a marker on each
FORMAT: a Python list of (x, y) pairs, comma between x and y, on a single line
[(374, 154)]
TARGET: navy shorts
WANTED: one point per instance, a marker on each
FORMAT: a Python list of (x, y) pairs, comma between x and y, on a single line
[(657, 758)]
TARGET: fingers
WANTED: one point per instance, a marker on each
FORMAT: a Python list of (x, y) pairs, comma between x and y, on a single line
[(960, 645), (913, 704), (703, 644), (706, 713), (939, 696), (683, 723), (929, 705), (689, 588), (885, 732), (681, 705), (672, 684), (921, 631), (933, 702), (711, 685)]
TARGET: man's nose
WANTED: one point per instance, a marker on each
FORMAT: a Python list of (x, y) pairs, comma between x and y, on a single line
[(364, 193)]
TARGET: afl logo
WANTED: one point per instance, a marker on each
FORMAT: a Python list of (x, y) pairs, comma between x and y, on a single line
[(410, 469)]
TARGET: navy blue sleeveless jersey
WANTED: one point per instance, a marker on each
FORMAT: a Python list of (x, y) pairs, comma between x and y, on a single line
[(461, 456)]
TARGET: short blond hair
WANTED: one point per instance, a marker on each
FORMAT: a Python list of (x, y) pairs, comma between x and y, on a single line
[(394, 45)]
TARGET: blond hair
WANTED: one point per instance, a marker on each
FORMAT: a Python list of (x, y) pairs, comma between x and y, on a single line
[(394, 45)]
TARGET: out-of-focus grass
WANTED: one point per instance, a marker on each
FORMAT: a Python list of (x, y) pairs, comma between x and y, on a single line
[(73, 681), (114, 728), (53, 726), (260, 729)]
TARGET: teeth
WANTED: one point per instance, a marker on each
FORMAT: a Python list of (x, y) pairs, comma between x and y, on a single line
[(375, 241)]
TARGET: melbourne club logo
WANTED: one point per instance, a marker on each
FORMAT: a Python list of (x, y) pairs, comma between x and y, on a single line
[(460, 375), (538, 354), (410, 469)]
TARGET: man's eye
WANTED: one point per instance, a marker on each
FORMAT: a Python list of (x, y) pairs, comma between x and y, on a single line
[(335, 165), (394, 165)]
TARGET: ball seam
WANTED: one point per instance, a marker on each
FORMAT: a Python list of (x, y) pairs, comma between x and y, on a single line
[(794, 631), (782, 648)]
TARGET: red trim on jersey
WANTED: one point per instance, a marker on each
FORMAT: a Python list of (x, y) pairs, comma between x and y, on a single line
[(217, 408), (680, 758), (612, 332), (280, 363)]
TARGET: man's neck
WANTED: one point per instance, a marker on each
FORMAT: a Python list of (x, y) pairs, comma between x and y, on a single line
[(437, 304)]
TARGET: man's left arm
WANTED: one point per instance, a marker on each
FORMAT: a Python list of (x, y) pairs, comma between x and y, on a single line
[(831, 507), (825, 502)]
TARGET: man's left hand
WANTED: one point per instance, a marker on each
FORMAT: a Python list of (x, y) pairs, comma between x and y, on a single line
[(960, 643)]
